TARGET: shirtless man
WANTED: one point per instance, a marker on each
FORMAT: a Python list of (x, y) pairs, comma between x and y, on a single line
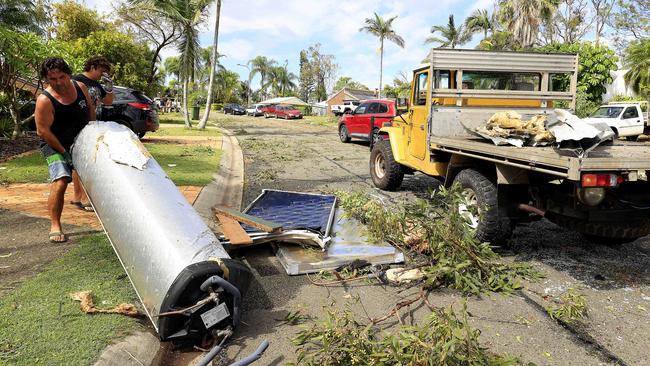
[(61, 113)]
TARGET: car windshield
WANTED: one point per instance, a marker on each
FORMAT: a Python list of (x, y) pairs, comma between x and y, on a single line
[(607, 112)]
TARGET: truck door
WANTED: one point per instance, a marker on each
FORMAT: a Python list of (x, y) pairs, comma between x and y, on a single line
[(418, 116)]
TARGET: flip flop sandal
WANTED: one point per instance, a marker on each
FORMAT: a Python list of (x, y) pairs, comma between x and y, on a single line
[(55, 234), (85, 207)]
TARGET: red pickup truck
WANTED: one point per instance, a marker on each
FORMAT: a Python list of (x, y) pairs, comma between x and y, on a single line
[(358, 123)]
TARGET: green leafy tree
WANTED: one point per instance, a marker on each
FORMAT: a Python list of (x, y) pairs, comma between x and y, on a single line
[(480, 21), (595, 64), (631, 19), (19, 15), (130, 59), (21, 54), (226, 87), (451, 34), (637, 60), (347, 82), (75, 21), (150, 27), (262, 65), (401, 87), (306, 77), (189, 14), (497, 41), (524, 18), (382, 29)]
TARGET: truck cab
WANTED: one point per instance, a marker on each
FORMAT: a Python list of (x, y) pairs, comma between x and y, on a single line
[(624, 118), (602, 194)]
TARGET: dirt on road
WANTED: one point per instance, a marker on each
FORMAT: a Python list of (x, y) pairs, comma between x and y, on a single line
[(296, 156)]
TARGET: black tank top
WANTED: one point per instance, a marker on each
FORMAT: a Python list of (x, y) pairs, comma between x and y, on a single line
[(69, 119)]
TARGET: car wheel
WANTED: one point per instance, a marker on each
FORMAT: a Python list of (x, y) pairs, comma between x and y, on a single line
[(481, 207), (386, 173), (343, 134)]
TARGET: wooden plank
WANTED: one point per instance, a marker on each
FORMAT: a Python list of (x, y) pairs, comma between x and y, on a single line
[(233, 231), (253, 221)]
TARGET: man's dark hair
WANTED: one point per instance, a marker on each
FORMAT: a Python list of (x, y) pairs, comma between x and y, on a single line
[(97, 62), (54, 63)]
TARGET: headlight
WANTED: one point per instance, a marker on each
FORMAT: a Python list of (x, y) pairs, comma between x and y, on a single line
[(591, 196)]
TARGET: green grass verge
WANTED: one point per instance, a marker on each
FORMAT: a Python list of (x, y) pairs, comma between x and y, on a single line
[(182, 131), (30, 168), (41, 325), (193, 164), (186, 165)]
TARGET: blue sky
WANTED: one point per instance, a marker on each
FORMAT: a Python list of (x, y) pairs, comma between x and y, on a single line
[(280, 29)]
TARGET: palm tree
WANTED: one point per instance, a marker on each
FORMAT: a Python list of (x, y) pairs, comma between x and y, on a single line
[(261, 65), (479, 21), (637, 61), (452, 36), (188, 14), (214, 60), (523, 18), (383, 29)]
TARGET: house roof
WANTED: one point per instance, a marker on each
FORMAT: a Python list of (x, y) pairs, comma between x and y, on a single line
[(284, 100), (354, 94)]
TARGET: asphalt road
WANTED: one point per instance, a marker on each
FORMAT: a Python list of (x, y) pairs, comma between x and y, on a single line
[(296, 156)]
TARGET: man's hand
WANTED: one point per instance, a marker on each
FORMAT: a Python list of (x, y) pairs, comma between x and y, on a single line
[(68, 158), (108, 83)]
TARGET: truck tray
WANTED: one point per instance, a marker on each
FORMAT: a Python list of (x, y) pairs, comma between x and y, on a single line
[(616, 156)]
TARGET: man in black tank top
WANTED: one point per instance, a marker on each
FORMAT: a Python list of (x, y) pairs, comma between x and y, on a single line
[(61, 113)]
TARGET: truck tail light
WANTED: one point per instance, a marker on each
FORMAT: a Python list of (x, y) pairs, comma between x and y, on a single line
[(141, 106), (601, 180)]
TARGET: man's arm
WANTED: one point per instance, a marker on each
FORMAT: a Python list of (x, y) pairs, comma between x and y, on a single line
[(108, 99), (44, 117), (92, 112)]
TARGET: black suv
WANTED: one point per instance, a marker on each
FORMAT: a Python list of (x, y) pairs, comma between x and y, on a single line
[(233, 108), (133, 109)]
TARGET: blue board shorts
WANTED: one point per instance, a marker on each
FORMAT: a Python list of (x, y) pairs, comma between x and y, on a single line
[(56, 164)]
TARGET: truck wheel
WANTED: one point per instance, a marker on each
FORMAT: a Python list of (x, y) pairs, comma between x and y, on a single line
[(385, 172), (343, 134), (612, 233), (481, 207)]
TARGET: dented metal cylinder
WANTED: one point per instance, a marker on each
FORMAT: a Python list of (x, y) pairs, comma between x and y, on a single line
[(164, 245)]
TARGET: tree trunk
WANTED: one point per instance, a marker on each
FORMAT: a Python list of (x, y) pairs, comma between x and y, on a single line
[(14, 111), (208, 102), (186, 113), (381, 66)]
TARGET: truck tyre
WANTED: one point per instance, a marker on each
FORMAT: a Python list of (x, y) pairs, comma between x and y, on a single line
[(385, 172), (612, 233), (482, 199), (343, 134)]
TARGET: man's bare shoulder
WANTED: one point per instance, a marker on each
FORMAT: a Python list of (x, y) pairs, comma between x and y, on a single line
[(43, 101)]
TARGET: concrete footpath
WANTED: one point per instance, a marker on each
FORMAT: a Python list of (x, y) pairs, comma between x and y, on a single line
[(226, 189)]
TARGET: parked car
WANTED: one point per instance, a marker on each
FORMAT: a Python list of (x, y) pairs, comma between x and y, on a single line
[(282, 111), (347, 107), (233, 108), (624, 118), (255, 110), (133, 109), (357, 124)]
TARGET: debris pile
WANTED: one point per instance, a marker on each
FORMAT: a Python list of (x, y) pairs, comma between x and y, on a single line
[(88, 305), (565, 131), (509, 128)]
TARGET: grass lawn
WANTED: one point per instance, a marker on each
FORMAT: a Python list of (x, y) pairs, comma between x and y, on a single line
[(190, 164), (182, 131), (186, 165), (30, 168), (41, 325)]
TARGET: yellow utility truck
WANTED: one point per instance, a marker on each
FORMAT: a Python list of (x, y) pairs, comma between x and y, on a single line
[(603, 194)]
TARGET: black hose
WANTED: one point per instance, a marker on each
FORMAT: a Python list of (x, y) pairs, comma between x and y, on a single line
[(229, 288), (212, 354), (253, 356)]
